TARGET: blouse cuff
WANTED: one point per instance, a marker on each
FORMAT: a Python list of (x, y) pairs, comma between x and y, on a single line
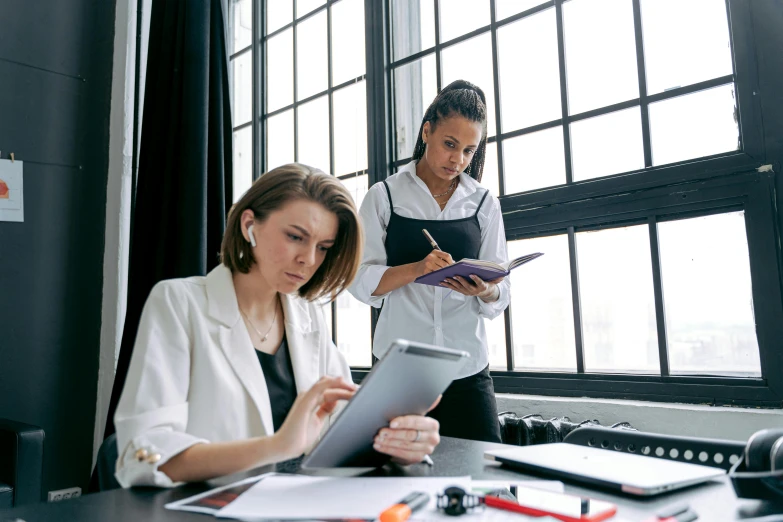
[(139, 463), (495, 308), (366, 283)]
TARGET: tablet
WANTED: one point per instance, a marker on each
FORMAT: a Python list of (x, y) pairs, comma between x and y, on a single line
[(405, 382)]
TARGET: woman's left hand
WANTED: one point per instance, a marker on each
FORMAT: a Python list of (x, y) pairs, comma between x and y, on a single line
[(409, 438), (475, 287)]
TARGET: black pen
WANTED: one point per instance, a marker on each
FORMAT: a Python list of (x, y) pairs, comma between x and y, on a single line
[(429, 238)]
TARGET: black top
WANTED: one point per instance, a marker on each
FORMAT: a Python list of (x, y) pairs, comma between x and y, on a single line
[(405, 243), (279, 376)]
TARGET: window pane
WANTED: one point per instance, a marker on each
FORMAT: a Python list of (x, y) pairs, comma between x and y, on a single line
[(242, 86), (305, 6), (350, 128), (694, 125), (354, 337), (506, 8), (496, 342), (243, 161), (600, 49), (311, 56), (527, 49), (280, 140), (607, 144), (347, 40), (458, 17), (707, 291), (413, 27), (618, 304), (672, 56), (415, 86), (542, 307), (490, 176), (472, 61), (280, 70), (313, 133), (241, 25), (534, 160), (278, 14)]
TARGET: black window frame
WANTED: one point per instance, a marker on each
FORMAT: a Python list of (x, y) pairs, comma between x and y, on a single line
[(702, 186)]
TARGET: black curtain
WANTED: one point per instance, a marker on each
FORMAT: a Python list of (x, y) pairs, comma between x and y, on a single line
[(184, 187)]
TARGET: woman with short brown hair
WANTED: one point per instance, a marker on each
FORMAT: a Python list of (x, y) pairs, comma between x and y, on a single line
[(236, 369)]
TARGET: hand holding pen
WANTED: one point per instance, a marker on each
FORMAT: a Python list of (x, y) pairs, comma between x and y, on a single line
[(435, 260)]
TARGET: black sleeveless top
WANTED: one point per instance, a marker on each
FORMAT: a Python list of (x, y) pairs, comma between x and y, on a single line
[(279, 376), (405, 242)]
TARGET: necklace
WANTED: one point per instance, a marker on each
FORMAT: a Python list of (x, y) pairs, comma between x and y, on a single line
[(261, 336), (451, 187)]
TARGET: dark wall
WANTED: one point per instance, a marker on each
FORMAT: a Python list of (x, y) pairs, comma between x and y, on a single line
[(55, 87)]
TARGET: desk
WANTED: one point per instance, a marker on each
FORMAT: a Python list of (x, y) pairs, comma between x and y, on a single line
[(714, 502)]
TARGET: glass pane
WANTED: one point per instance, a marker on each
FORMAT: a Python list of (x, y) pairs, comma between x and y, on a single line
[(312, 55), (618, 304), (415, 86), (313, 133), (347, 40), (305, 6), (490, 177), (280, 70), (280, 140), (278, 14), (607, 144), (353, 317), (694, 125), (458, 17), (672, 56), (243, 161), (413, 27), (472, 61), (350, 128), (534, 160), (542, 307), (242, 86), (496, 342), (506, 8), (707, 291), (527, 50), (600, 49), (241, 20)]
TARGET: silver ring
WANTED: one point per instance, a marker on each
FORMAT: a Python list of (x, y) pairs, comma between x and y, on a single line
[(418, 433)]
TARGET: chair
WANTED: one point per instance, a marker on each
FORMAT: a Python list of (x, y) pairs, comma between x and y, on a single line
[(21, 463), (707, 452), (106, 464)]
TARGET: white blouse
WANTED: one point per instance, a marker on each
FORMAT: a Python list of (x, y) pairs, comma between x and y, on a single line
[(420, 312)]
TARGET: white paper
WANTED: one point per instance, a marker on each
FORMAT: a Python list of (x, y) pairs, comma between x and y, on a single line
[(201, 503), (12, 199), (304, 497)]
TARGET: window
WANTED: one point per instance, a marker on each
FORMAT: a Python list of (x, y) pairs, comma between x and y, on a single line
[(620, 144), (310, 108)]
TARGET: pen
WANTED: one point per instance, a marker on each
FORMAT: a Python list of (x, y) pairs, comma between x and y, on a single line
[(429, 238), (401, 511)]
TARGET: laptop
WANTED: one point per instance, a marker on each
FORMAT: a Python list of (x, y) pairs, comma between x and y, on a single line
[(627, 472)]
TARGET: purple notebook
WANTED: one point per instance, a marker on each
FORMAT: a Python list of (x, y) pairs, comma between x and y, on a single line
[(486, 270)]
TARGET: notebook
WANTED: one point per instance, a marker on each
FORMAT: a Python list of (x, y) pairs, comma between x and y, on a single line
[(486, 270)]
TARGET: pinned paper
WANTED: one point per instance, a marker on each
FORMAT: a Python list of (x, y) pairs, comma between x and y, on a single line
[(11, 195)]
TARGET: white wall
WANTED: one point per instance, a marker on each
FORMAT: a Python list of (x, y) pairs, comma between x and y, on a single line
[(671, 419)]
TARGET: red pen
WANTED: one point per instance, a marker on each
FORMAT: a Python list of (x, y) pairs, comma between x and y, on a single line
[(499, 503)]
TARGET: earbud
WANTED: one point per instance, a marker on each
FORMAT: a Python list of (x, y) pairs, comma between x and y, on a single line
[(251, 236)]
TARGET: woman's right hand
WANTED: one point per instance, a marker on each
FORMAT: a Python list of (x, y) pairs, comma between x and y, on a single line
[(435, 260), (305, 420)]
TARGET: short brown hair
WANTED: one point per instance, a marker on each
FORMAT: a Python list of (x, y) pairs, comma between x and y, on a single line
[(293, 182)]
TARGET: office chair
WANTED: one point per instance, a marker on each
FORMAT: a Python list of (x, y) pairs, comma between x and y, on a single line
[(21, 463), (106, 464)]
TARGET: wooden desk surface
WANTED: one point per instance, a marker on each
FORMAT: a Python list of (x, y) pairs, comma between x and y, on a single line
[(714, 502)]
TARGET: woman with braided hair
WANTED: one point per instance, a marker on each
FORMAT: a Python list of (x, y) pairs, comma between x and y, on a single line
[(440, 191)]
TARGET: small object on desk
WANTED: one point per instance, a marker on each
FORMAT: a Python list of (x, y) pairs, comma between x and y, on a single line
[(428, 460), (402, 510), (675, 513), (430, 239), (585, 507)]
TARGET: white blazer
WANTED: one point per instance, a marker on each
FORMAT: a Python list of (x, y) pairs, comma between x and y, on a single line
[(195, 377)]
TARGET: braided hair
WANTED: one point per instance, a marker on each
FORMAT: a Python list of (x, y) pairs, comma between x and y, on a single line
[(459, 98)]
